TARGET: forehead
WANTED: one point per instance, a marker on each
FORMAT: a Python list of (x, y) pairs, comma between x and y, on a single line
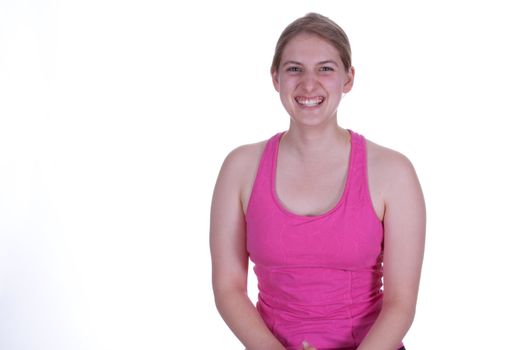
[(306, 47)]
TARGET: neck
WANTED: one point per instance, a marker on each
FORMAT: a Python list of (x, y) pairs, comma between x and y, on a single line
[(315, 142)]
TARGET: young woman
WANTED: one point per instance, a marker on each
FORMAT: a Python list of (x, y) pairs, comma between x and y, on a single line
[(333, 223)]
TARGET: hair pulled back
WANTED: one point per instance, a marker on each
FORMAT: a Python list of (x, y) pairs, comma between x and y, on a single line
[(324, 27)]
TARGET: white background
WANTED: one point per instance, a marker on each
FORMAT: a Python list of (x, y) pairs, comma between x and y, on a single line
[(115, 117)]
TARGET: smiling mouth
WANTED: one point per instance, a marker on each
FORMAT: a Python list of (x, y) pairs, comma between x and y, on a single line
[(309, 101)]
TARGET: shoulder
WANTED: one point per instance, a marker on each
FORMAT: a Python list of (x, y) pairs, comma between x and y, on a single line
[(238, 173), (390, 171), (243, 158), (239, 170), (387, 159)]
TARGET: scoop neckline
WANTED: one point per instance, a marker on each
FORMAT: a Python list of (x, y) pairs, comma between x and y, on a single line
[(343, 196)]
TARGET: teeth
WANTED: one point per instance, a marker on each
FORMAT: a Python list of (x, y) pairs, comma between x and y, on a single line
[(309, 101)]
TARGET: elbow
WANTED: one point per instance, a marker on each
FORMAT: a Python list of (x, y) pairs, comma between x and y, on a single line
[(226, 297), (404, 311)]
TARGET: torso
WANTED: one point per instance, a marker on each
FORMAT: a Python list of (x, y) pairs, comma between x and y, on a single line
[(313, 189)]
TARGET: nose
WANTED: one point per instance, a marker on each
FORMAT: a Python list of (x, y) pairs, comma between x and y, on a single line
[(309, 81)]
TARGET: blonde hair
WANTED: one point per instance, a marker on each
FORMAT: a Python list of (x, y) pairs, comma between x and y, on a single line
[(314, 23)]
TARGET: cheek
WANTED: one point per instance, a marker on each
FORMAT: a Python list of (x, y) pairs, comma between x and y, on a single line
[(286, 87), (335, 86)]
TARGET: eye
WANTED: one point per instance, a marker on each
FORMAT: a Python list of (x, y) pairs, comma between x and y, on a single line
[(326, 69), (293, 69)]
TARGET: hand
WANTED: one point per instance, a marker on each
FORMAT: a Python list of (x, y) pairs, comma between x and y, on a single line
[(307, 346)]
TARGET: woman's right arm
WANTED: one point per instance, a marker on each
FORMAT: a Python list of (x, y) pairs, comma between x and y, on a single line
[(230, 258)]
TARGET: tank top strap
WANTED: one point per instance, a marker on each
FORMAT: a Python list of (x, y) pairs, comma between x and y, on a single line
[(358, 172), (261, 193), (357, 178)]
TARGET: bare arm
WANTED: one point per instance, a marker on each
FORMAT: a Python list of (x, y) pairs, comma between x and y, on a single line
[(404, 237), (230, 259)]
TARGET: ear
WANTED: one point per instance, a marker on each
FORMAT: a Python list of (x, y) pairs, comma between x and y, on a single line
[(275, 80), (350, 80)]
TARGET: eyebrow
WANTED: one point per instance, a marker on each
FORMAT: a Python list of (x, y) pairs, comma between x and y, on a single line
[(328, 61), (292, 62), (318, 64)]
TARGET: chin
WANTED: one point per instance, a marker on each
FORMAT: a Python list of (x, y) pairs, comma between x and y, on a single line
[(315, 117), (310, 121)]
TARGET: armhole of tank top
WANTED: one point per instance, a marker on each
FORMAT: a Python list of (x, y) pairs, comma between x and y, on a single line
[(367, 182), (257, 175)]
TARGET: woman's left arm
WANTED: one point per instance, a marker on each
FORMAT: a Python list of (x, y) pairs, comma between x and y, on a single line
[(404, 223)]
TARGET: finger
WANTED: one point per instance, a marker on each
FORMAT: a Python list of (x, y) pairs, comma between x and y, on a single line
[(307, 346)]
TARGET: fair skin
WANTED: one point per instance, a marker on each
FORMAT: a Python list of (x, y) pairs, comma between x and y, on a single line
[(311, 170)]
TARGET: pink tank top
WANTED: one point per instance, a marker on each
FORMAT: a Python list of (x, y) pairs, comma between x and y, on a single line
[(319, 277)]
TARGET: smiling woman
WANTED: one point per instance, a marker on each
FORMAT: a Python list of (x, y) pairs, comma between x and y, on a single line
[(311, 79), (333, 222)]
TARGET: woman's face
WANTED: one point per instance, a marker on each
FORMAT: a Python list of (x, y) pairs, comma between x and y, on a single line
[(311, 79)]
